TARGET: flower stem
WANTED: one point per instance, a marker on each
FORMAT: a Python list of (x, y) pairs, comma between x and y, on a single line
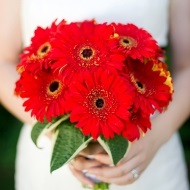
[(98, 186)]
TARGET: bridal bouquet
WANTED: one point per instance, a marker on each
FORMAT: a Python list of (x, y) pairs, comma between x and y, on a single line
[(87, 81)]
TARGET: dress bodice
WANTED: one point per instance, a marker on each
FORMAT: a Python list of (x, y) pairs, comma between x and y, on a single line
[(144, 14)]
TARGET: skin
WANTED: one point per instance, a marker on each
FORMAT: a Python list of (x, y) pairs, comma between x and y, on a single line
[(164, 126), (10, 47)]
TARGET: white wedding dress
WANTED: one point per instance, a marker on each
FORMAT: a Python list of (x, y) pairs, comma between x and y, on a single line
[(167, 171)]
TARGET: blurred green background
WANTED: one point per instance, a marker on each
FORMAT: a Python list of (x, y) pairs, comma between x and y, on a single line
[(9, 132)]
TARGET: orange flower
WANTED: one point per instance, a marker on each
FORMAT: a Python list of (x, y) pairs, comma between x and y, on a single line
[(162, 67)]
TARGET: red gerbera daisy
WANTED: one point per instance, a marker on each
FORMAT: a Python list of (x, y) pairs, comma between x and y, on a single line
[(138, 122), (135, 42), (99, 103), (36, 56), (44, 93), (18, 86), (151, 91), (83, 46)]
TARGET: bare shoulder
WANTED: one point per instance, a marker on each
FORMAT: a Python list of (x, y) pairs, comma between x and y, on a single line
[(10, 30)]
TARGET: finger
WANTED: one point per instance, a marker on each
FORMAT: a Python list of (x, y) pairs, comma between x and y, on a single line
[(93, 148), (116, 171), (83, 163), (103, 158), (81, 177), (125, 179)]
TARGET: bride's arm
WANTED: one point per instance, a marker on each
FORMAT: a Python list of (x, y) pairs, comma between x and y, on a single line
[(10, 47)]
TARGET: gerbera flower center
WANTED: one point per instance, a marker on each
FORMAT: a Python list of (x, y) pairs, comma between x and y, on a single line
[(99, 103), (139, 85), (128, 42), (43, 49), (54, 88), (87, 57), (86, 53)]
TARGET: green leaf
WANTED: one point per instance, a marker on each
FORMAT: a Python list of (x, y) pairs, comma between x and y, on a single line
[(37, 131), (41, 128), (115, 147), (68, 143)]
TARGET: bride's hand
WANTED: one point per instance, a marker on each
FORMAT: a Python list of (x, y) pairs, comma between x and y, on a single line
[(138, 158), (84, 161)]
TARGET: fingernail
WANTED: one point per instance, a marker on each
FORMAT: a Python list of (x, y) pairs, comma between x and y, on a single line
[(84, 171), (90, 156), (89, 175)]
